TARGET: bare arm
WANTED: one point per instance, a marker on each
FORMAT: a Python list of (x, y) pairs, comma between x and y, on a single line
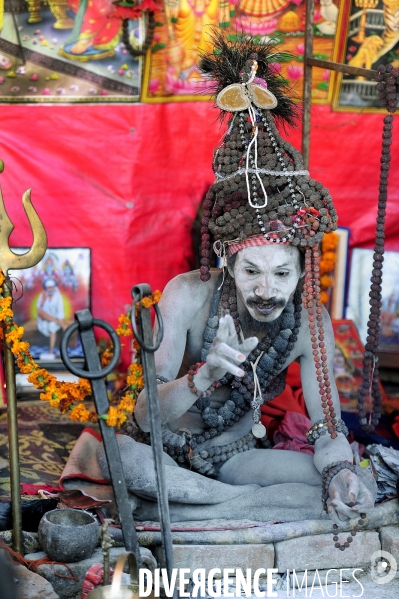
[(327, 450), (178, 305), (183, 301), (345, 487)]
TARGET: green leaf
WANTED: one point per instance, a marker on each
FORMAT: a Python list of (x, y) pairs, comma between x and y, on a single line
[(158, 46)]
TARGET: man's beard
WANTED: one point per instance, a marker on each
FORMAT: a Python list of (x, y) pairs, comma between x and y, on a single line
[(249, 324)]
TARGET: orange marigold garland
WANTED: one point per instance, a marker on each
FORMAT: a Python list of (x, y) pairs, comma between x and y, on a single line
[(327, 265), (68, 397)]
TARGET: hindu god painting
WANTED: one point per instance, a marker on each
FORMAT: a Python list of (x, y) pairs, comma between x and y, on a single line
[(171, 72), (67, 51), (368, 36)]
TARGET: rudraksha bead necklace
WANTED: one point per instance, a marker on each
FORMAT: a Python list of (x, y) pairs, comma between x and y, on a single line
[(312, 303), (388, 89)]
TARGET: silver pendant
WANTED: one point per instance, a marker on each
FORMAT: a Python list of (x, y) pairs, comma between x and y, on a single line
[(258, 430)]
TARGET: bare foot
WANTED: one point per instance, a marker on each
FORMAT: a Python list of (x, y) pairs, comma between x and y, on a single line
[(81, 46)]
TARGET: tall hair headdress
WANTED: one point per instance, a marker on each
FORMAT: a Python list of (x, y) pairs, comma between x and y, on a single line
[(262, 193)]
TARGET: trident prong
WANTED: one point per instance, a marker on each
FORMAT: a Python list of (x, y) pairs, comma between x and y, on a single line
[(9, 260)]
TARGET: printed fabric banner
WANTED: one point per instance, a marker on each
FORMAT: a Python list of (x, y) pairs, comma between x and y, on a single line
[(184, 26), (67, 51)]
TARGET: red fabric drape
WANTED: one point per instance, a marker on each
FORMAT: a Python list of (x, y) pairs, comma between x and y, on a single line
[(127, 181), (290, 400)]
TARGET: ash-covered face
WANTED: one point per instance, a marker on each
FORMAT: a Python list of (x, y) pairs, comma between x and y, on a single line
[(266, 278)]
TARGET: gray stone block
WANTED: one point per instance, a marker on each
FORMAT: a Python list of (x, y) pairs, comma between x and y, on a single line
[(389, 536), (33, 586), (221, 556), (318, 552)]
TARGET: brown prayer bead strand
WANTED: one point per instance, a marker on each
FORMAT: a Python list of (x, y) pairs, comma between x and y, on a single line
[(205, 275), (387, 89), (319, 320), (308, 301)]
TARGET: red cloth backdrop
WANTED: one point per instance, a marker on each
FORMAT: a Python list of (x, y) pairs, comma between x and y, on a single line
[(127, 181)]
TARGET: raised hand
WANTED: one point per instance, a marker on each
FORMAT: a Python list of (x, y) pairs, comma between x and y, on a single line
[(226, 353), (349, 497)]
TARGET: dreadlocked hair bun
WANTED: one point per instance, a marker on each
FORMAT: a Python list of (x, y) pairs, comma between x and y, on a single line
[(261, 187)]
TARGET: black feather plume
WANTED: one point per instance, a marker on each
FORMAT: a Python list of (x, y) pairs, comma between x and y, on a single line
[(222, 65)]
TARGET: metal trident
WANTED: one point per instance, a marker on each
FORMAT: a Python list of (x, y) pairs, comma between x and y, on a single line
[(9, 260)]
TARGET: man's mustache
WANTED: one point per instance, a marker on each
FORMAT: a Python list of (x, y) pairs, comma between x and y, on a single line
[(257, 302)]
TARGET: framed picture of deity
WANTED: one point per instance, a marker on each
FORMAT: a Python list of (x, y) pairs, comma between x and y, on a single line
[(358, 307), (67, 51), (46, 297), (367, 36), (348, 364), (184, 27)]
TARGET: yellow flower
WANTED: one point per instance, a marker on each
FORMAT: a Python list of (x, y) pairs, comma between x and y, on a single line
[(330, 256), (5, 302), (324, 297), (25, 367), (2, 277), (5, 314), (14, 334), (156, 296), (115, 417), (135, 369), (326, 266), (147, 302), (85, 385), (326, 281), (20, 347), (51, 397), (41, 377), (329, 242), (81, 413), (123, 331), (106, 356), (124, 320), (127, 404)]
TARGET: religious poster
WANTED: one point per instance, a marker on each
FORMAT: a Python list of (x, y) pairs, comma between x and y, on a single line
[(348, 364), (171, 72), (368, 36), (46, 298), (67, 51), (358, 299)]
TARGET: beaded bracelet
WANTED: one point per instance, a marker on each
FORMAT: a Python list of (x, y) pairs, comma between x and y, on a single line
[(321, 428), (327, 475), (193, 371)]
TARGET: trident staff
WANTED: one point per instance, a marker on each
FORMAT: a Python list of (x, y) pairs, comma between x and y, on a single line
[(9, 260), (143, 334)]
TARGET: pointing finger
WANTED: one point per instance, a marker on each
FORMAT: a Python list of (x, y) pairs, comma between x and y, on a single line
[(231, 326), (223, 331)]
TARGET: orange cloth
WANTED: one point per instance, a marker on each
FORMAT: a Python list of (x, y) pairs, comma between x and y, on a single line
[(291, 399)]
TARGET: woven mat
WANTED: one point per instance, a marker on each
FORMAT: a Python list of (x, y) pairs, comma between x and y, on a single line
[(46, 439)]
